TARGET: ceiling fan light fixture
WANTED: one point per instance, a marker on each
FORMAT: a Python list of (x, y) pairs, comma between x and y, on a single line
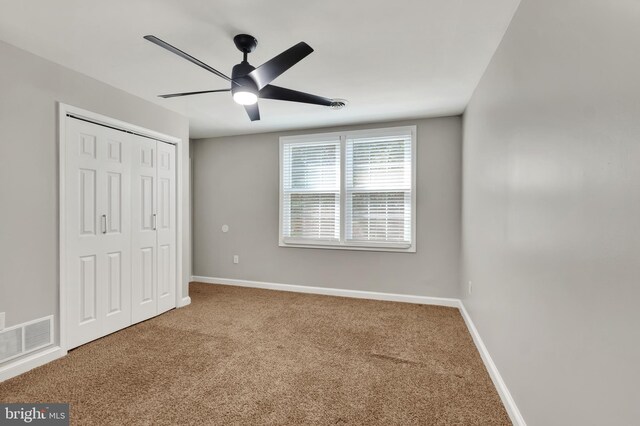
[(245, 97), (249, 83)]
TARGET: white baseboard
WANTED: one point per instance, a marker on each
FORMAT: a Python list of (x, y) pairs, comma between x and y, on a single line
[(22, 365), (184, 302), (358, 294), (501, 386)]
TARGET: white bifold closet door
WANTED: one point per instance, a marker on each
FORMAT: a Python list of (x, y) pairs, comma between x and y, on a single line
[(166, 226), (120, 205), (154, 228), (98, 231)]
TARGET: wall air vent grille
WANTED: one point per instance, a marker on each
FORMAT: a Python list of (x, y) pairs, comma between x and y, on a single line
[(37, 335), (10, 344), (24, 338), (338, 103)]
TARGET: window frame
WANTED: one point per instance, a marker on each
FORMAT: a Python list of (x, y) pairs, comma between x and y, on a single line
[(342, 244)]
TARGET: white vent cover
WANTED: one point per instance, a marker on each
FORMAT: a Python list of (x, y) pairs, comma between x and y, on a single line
[(37, 335), (24, 338), (10, 344)]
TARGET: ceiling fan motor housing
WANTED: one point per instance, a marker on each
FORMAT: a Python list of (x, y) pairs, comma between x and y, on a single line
[(239, 74)]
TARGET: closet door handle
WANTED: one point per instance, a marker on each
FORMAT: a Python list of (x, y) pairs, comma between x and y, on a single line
[(104, 223), (155, 222)]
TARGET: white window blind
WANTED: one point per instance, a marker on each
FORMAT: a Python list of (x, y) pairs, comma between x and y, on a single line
[(311, 191), (378, 189), (352, 190)]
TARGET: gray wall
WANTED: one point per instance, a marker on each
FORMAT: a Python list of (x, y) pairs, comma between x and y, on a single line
[(552, 211), (236, 183), (30, 87)]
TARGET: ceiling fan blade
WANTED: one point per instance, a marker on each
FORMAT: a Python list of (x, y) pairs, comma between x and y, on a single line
[(271, 69), (173, 49), (284, 94), (253, 111), (175, 95)]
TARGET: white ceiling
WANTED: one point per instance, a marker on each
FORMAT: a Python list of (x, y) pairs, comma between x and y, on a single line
[(390, 59)]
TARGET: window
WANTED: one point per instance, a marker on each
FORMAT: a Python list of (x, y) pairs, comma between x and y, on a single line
[(352, 190)]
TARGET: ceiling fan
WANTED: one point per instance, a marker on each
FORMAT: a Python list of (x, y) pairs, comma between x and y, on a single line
[(249, 83)]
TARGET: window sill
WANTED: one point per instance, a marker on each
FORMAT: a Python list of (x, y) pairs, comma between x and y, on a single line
[(397, 248)]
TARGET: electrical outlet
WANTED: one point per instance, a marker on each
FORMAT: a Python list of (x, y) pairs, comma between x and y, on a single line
[(470, 287), (236, 258), (1, 320)]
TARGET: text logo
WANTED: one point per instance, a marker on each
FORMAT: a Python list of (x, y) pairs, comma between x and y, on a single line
[(34, 414)]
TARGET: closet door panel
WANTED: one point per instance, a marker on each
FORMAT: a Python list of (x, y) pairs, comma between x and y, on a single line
[(114, 203), (166, 226), (116, 238), (88, 196), (147, 276), (116, 302), (88, 290), (144, 233), (97, 224), (82, 222)]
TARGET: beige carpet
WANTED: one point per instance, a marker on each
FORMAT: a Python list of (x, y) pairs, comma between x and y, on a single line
[(248, 356)]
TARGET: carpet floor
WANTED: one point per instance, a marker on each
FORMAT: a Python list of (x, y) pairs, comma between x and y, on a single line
[(250, 356)]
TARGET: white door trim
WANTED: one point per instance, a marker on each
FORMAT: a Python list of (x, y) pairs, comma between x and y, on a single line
[(63, 111)]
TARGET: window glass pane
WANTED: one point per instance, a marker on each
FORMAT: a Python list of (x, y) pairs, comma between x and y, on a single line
[(314, 167), (380, 216), (378, 184), (379, 163), (313, 216), (311, 190)]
